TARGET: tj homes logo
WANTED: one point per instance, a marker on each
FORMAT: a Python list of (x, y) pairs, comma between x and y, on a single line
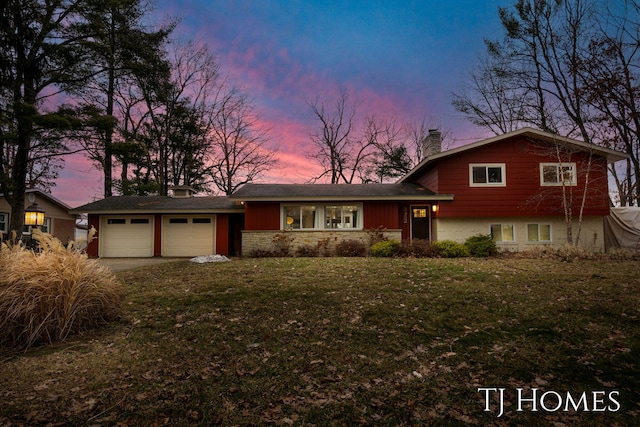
[(535, 400)]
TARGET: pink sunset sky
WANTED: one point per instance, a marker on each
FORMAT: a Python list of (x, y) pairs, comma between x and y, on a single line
[(397, 59)]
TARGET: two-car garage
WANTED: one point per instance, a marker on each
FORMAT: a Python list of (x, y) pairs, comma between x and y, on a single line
[(171, 226), (175, 235)]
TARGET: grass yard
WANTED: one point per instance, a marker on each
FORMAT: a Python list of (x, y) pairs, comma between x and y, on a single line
[(346, 341)]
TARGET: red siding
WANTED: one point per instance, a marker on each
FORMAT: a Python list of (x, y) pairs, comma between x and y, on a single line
[(222, 234), (523, 195), (430, 180), (157, 235), (380, 214), (92, 247), (262, 216)]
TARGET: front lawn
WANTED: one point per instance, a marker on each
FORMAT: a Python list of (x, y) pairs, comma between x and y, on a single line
[(347, 341)]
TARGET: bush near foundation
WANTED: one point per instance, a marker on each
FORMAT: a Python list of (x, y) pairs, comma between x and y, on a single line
[(386, 248), (48, 295), (418, 248), (481, 245), (349, 248), (451, 249)]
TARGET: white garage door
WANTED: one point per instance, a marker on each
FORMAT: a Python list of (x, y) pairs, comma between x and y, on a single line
[(188, 235), (126, 236)]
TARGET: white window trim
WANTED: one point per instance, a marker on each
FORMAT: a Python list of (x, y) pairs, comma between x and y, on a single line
[(503, 168), (574, 180), (319, 223), (47, 224), (540, 241), (315, 222), (6, 222), (513, 227)]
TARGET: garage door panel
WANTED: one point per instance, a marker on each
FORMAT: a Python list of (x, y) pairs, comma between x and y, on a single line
[(126, 237), (187, 236)]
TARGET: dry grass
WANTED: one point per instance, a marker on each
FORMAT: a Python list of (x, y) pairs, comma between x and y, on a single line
[(48, 295), (342, 341)]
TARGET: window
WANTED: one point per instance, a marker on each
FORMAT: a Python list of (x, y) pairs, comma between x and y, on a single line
[(201, 220), (341, 216), (116, 221), (139, 220), (487, 175), (4, 219), (46, 227), (419, 213), (178, 220), (558, 174), (502, 232), (327, 217), (299, 217), (539, 232)]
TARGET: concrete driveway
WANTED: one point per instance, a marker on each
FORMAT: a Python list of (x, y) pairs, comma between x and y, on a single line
[(122, 264)]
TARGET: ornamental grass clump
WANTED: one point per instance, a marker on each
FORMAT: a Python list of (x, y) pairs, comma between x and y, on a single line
[(48, 295)]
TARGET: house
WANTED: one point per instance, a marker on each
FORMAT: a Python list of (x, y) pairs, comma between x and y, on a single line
[(514, 187), (172, 226), (325, 214), (58, 220), (523, 188)]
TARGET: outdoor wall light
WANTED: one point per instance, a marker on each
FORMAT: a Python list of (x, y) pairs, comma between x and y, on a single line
[(434, 208), (34, 215)]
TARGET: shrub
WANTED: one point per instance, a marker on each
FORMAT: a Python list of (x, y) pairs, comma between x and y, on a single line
[(386, 248), (418, 248), (306, 251), (481, 245), (451, 249), (282, 243), (48, 295), (261, 253), (350, 248), (376, 235)]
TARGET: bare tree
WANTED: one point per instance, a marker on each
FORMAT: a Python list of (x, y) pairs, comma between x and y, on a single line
[(613, 78), (547, 51), (336, 145), (237, 141), (415, 136)]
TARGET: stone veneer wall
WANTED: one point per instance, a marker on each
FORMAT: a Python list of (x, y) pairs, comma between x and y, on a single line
[(325, 241)]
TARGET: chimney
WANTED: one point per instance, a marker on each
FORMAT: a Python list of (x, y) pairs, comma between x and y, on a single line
[(182, 191), (432, 143)]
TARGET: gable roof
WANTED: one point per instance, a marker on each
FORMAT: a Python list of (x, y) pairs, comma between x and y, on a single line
[(160, 204), (611, 155), (47, 196), (335, 192)]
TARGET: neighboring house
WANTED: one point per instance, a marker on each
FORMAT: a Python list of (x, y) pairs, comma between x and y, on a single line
[(519, 187), (58, 220), (178, 226), (511, 187)]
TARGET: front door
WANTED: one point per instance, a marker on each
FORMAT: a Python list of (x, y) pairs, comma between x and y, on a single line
[(420, 222)]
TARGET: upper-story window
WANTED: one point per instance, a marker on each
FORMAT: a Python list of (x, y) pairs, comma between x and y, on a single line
[(558, 174), (487, 175)]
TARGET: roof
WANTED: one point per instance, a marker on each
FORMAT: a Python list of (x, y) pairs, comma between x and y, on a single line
[(47, 196), (611, 155), (335, 192), (160, 204)]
